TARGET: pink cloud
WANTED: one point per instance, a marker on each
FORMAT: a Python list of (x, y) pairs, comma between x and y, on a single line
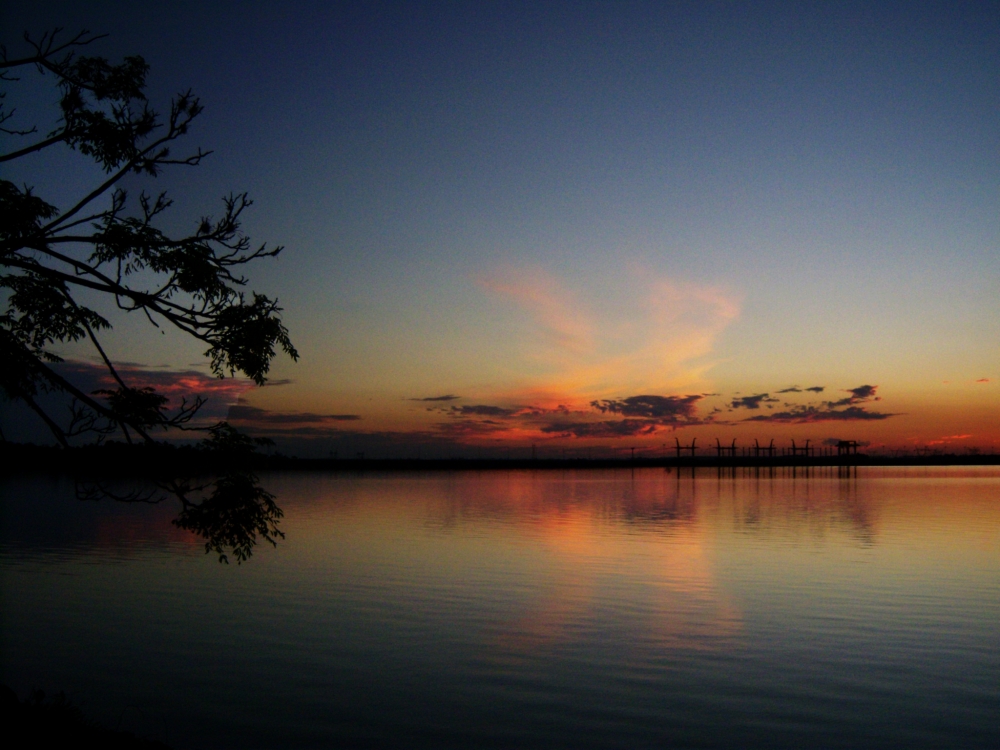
[(811, 415), (554, 309), (651, 335), (948, 439), (176, 385)]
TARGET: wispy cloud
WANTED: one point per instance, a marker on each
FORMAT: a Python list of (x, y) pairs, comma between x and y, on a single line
[(449, 397), (560, 318), (657, 335), (689, 317)]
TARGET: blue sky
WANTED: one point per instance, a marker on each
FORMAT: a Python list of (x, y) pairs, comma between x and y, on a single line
[(535, 204)]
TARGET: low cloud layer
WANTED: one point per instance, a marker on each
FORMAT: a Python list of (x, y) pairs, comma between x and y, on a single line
[(753, 402), (176, 385), (812, 414), (946, 439), (648, 414), (172, 383), (852, 408), (610, 429), (644, 414), (861, 394), (261, 417), (796, 389), (481, 410), (664, 408), (512, 418)]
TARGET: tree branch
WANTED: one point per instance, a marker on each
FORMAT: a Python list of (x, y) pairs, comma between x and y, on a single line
[(32, 149)]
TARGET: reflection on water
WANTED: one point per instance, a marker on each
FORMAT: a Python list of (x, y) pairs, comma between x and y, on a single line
[(587, 609)]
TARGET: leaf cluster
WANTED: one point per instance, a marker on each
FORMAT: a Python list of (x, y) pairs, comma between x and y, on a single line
[(110, 247), (237, 511), (107, 244)]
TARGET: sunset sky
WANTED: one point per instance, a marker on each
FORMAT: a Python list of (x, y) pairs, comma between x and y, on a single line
[(584, 226)]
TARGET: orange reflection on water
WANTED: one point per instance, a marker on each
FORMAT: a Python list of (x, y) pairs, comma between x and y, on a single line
[(556, 552), (658, 587), (648, 561)]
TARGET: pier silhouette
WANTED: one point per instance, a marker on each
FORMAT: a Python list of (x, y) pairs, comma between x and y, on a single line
[(681, 448), (725, 450)]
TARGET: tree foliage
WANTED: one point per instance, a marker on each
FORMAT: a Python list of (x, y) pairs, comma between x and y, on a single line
[(108, 246)]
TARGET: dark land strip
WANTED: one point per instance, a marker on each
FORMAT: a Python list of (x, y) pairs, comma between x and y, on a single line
[(138, 460)]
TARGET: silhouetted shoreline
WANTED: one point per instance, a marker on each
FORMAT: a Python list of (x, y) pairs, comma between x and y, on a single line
[(137, 460)]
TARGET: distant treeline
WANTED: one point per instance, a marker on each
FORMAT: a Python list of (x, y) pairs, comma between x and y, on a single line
[(121, 459)]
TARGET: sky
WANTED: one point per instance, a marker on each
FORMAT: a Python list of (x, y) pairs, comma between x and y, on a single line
[(581, 226)]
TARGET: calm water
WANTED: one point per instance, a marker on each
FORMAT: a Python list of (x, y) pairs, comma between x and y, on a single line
[(527, 609)]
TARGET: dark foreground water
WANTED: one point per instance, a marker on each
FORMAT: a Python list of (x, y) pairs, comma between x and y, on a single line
[(527, 609)]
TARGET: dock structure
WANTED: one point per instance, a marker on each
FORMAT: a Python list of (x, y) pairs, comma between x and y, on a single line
[(805, 450), (847, 448), (763, 450), (725, 450), (690, 448)]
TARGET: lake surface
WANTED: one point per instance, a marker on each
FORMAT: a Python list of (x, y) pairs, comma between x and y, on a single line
[(603, 609)]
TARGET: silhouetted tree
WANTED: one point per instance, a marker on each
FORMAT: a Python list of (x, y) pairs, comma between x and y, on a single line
[(107, 246)]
